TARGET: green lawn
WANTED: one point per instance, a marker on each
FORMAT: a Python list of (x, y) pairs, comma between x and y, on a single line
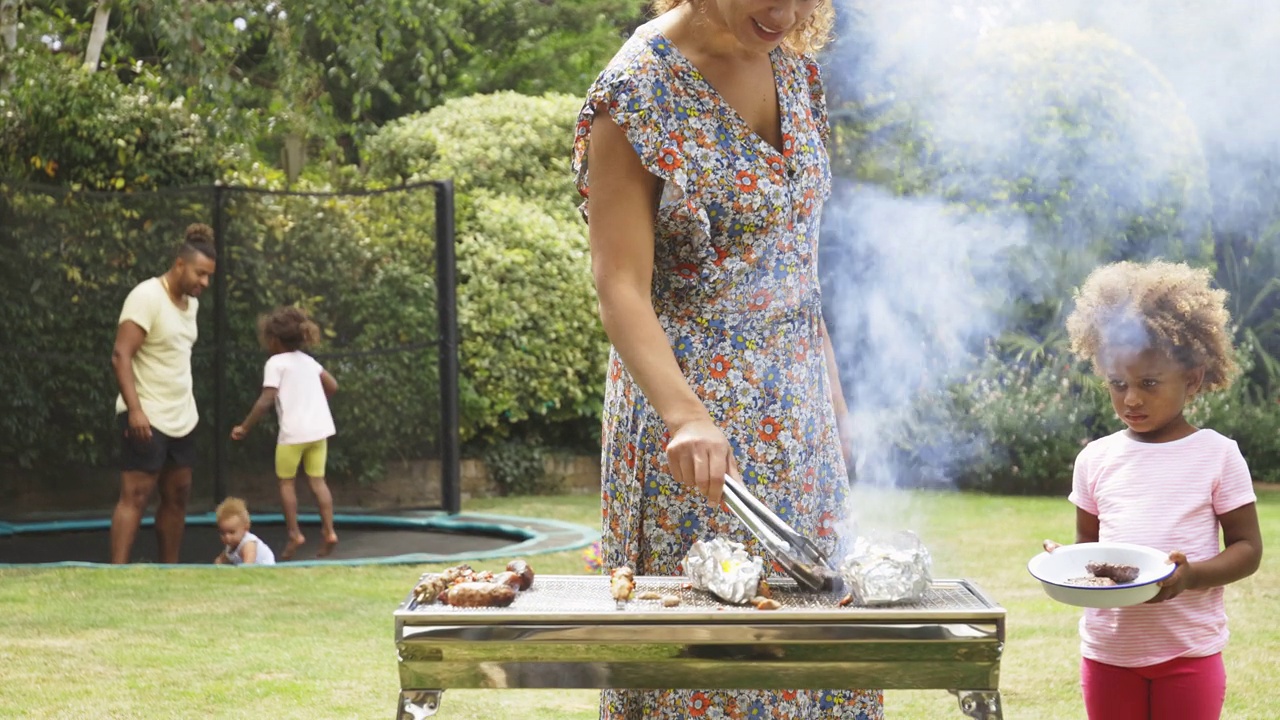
[(317, 642)]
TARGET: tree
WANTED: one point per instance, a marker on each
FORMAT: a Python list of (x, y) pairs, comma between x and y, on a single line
[(98, 36), (9, 38), (335, 70)]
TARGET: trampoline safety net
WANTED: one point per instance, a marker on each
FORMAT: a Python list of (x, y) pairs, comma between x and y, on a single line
[(369, 267)]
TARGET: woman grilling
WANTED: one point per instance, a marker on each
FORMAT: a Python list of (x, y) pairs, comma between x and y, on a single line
[(702, 151)]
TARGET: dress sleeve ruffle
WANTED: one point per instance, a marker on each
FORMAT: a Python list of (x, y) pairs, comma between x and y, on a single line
[(817, 97), (649, 121)]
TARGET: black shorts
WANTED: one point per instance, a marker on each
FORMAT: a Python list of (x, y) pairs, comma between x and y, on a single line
[(154, 455)]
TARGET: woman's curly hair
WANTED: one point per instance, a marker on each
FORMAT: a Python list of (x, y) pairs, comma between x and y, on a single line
[(288, 326), (805, 40), (1169, 306)]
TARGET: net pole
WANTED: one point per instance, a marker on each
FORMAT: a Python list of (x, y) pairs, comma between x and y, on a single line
[(221, 338), (447, 317)]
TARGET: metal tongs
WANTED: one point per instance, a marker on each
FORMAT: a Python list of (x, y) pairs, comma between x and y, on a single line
[(797, 555)]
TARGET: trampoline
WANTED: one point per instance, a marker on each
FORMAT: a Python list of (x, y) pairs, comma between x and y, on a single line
[(409, 538)]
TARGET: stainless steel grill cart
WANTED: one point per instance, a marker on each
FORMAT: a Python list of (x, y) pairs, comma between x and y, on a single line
[(567, 632)]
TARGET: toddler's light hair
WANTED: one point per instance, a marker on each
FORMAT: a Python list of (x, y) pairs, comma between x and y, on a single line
[(232, 507), (1169, 306)]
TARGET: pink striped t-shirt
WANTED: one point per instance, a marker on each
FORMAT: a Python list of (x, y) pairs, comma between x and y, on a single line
[(1167, 496)]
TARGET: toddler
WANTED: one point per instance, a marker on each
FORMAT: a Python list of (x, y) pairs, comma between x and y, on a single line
[(240, 547)]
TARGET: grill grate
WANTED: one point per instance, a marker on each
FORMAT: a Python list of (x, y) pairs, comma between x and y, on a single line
[(578, 595)]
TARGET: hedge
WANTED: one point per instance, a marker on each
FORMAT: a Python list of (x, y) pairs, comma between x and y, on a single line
[(532, 346)]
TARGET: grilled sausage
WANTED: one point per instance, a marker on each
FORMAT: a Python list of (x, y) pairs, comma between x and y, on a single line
[(521, 568), (480, 594), (510, 579)]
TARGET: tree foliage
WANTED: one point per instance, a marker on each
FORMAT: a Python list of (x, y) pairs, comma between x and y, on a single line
[(337, 69), (64, 126)]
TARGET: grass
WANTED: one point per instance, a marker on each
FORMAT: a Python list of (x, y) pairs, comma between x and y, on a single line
[(318, 642)]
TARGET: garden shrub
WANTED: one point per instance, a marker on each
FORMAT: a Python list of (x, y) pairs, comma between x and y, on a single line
[(531, 342), (1246, 415), (1016, 429), (1065, 128), (67, 261), (504, 142), (532, 348), (1078, 132)]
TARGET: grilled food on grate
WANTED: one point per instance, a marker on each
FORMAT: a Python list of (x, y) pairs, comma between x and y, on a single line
[(438, 587), (622, 582)]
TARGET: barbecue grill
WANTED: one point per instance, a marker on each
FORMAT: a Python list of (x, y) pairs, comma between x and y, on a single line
[(568, 632)]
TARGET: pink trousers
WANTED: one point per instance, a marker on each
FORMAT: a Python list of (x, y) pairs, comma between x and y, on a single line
[(1180, 689)]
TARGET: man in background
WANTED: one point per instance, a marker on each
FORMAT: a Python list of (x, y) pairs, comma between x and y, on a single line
[(156, 409)]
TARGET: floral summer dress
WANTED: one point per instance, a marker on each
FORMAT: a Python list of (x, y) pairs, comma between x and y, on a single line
[(735, 287)]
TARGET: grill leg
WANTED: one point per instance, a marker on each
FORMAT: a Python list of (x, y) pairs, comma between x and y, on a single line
[(980, 704), (418, 704)]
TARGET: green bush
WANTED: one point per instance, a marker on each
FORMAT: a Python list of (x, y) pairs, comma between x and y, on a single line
[(1249, 417), (1017, 429), (531, 342), (532, 346), (1077, 132), (505, 143), (1066, 129)]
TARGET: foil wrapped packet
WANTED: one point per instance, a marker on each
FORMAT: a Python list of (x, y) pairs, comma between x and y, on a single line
[(724, 569), (888, 569)]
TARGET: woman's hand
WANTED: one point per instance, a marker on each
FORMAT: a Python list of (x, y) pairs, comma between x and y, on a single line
[(1181, 579), (700, 455)]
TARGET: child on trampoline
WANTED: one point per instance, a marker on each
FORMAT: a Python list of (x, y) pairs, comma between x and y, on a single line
[(240, 547), (298, 387)]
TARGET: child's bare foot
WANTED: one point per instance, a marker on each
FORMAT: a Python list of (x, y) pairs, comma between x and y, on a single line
[(329, 542), (295, 542)]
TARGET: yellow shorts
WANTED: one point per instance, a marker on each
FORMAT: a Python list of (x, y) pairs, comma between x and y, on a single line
[(312, 456)]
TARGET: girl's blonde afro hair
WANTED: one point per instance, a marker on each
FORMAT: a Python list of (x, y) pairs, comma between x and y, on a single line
[(1170, 306)]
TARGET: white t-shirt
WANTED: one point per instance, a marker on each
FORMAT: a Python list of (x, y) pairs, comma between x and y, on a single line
[(301, 406), (264, 557), (162, 365), (1166, 496)]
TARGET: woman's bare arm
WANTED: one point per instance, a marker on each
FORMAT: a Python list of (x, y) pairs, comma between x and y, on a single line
[(624, 196), (837, 396)]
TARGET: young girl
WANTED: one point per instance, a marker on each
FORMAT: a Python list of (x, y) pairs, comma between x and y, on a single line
[(240, 547), (298, 387), (1158, 334)]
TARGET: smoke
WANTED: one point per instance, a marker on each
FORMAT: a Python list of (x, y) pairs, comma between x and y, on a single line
[(1007, 148)]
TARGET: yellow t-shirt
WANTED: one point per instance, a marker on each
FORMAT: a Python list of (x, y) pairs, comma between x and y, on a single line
[(162, 365)]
